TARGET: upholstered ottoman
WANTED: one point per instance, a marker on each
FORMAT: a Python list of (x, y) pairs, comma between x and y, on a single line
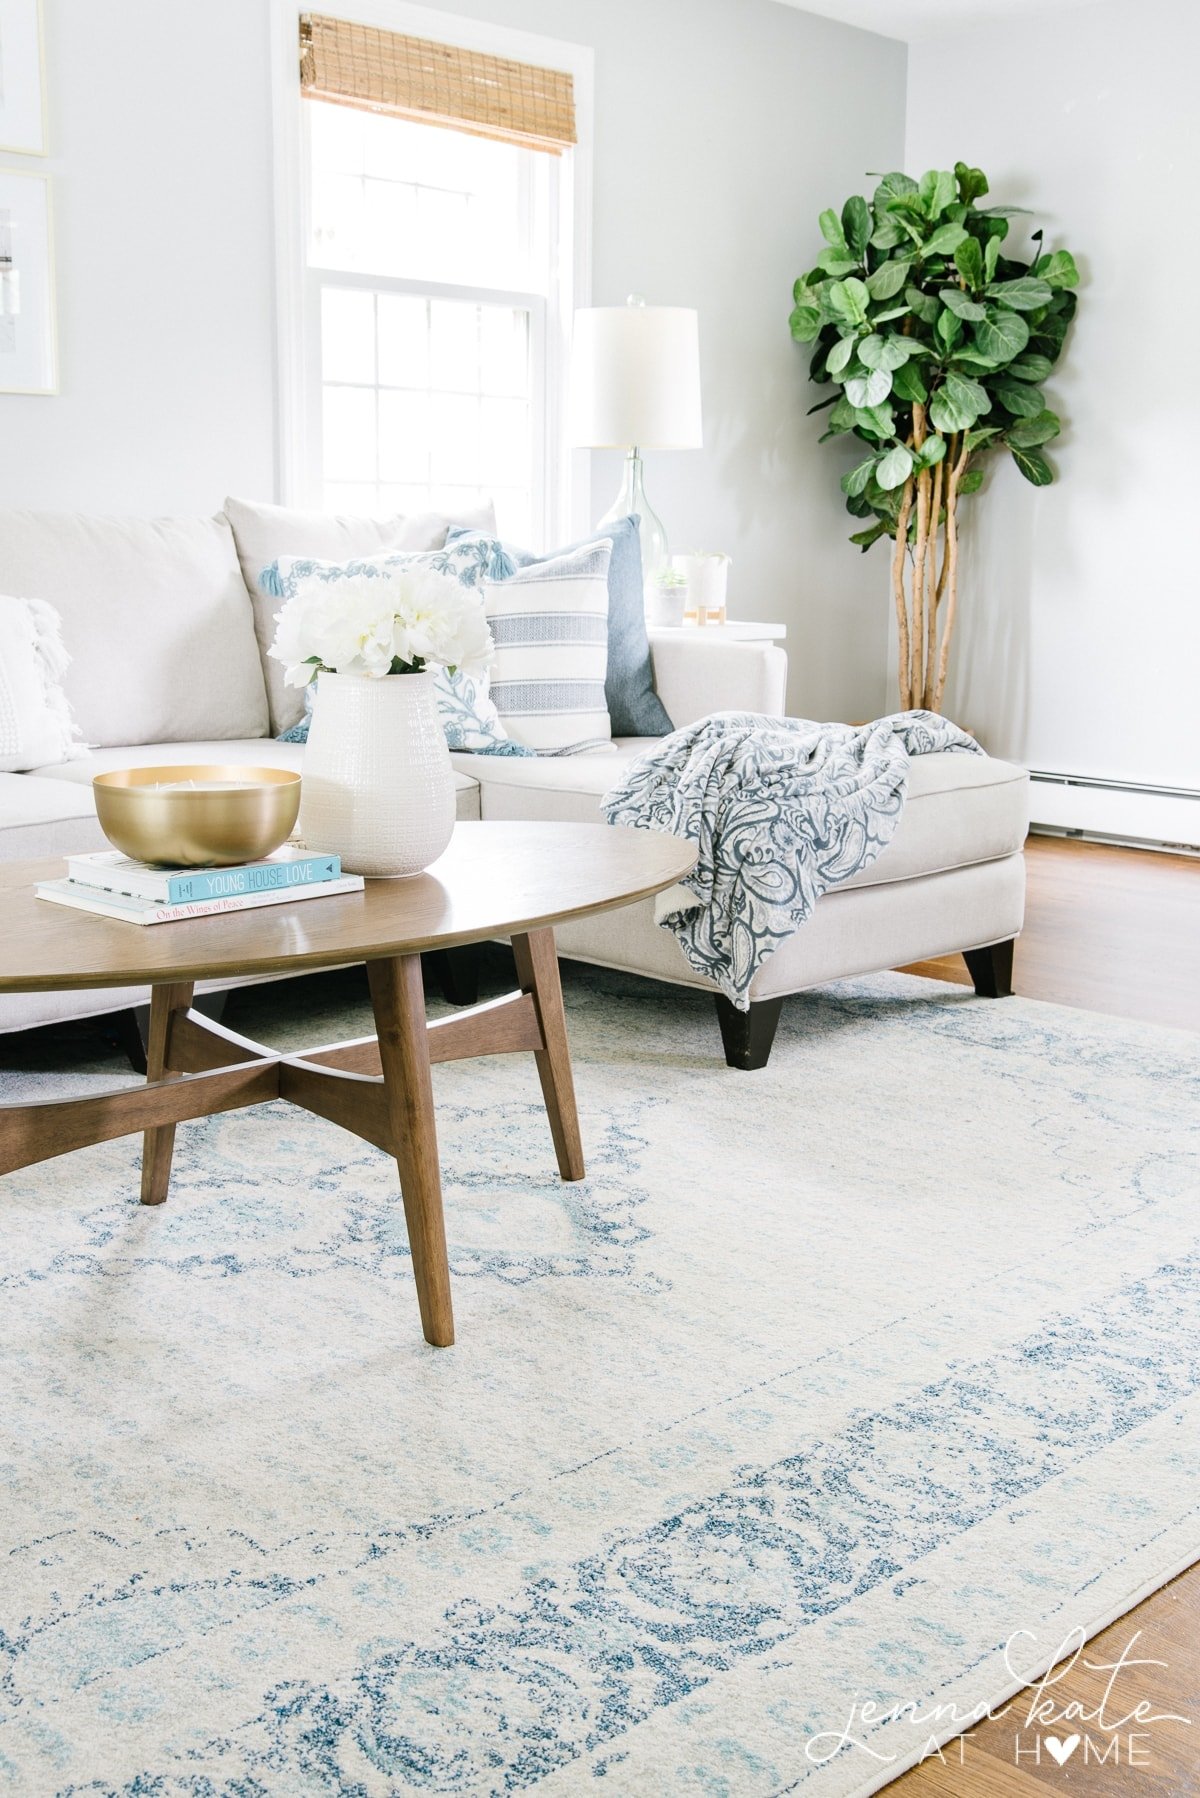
[(952, 879)]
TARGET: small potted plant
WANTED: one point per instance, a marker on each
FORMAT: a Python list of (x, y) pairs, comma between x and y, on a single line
[(378, 788)]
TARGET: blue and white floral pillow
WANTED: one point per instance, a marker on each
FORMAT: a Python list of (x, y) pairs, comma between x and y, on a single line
[(468, 716)]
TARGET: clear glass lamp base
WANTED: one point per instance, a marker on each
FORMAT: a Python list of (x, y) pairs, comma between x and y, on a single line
[(631, 497)]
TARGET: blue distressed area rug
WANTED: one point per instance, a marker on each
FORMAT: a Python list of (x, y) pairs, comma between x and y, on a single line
[(868, 1377)]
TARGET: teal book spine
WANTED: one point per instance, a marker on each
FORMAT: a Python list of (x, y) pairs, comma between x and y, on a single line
[(261, 877)]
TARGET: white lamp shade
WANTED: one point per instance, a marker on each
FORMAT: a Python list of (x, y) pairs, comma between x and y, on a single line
[(635, 378)]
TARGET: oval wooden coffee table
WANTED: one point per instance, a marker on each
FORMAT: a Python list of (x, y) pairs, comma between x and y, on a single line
[(500, 879)]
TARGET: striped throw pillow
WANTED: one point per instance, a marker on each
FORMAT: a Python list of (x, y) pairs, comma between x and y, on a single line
[(549, 623)]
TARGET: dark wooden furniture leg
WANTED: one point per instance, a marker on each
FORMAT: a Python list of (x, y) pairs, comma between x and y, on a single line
[(748, 1035), (537, 971), (158, 1144), (398, 999), (457, 973), (991, 969)]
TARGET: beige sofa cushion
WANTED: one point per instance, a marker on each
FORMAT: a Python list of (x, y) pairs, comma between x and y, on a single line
[(264, 533), (258, 752), (45, 817), (155, 619), (961, 809)]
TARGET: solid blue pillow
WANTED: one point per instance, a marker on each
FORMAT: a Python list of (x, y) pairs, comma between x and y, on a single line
[(633, 705)]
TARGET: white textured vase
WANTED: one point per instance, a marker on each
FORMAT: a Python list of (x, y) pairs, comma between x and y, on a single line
[(377, 787)]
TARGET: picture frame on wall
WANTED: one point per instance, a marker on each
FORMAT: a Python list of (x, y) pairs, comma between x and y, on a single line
[(28, 349), (22, 78)]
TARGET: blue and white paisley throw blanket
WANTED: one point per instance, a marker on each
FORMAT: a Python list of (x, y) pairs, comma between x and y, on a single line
[(780, 810)]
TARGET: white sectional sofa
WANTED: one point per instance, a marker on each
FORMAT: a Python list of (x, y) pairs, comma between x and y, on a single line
[(167, 667)]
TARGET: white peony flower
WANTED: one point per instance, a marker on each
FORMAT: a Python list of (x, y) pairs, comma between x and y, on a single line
[(367, 623)]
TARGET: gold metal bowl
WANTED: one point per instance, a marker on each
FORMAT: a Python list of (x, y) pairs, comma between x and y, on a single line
[(197, 817)]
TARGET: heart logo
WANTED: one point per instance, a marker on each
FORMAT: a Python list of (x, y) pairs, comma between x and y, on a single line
[(1062, 1751)]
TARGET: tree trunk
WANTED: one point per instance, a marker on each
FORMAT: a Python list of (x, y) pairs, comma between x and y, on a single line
[(951, 573), (899, 556)]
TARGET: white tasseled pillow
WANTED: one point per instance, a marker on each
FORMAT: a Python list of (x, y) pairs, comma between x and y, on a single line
[(36, 726)]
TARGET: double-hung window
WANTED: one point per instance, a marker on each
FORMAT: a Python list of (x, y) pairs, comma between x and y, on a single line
[(437, 277)]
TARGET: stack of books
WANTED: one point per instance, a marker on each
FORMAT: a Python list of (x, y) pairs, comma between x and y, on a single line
[(116, 886)]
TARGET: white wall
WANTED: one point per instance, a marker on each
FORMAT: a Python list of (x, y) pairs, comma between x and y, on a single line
[(1080, 650), (722, 128), (160, 140)]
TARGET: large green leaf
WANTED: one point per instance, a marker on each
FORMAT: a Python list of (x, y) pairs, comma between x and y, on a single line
[(892, 185), (831, 229), (944, 241), (856, 224), (949, 329), (839, 355), (864, 539), (925, 305), (895, 468), (1027, 433), (837, 263), (982, 434), (888, 279), (1030, 368), (1058, 270), (991, 256), (848, 301), (1019, 398), (908, 385), (960, 304), (1023, 295), (884, 352), (1033, 466), (968, 260), (805, 322), (972, 183), (971, 482), (937, 189), (888, 232), (969, 358), (854, 480), (971, 395), (804, 293), (841, 419), (871, 389), (1001, 334), (957, 403), (889, 313), (931, 452), (876, 421)]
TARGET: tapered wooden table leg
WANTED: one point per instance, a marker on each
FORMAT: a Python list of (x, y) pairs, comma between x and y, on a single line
[(158, 1145), (537, 970), (398, 999)]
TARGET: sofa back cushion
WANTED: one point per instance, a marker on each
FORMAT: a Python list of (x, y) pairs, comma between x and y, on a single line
[(265, 533), (155, 619)]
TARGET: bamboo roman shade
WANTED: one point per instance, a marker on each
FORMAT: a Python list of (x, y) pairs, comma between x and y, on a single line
[(436, 84)]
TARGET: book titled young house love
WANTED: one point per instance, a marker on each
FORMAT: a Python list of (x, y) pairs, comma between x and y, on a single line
[(130, 908), (289, 867)]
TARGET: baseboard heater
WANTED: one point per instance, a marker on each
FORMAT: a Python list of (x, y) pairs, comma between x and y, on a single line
[(1116, 811)]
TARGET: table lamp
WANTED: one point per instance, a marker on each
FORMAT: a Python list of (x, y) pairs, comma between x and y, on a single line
[(635, 384)]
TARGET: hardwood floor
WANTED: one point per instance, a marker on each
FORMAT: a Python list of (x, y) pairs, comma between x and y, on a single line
[(1113, 930)]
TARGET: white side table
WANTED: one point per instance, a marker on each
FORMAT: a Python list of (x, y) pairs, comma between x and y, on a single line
[(734, 630)]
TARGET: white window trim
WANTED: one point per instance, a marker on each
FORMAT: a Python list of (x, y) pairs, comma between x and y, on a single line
[(566, 502)]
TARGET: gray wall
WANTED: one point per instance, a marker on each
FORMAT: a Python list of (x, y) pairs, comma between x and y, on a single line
[(722, 128)]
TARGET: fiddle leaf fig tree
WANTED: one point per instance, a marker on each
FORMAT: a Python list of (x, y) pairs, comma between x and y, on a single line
[(936, 343)]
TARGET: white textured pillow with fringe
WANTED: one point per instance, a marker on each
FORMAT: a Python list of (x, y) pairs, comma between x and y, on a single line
[(36, 726)]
